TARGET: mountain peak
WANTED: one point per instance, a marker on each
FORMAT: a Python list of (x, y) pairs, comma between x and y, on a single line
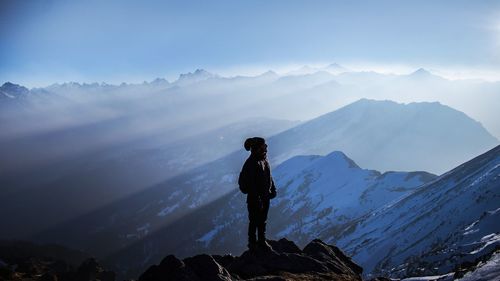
[(336, 68), (196, 76), (372, 102), (423, 73), (11, 90), (339, 158), (159, 81), (11, 86)]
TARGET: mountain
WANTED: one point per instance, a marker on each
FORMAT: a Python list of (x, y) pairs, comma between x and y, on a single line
[(422, 75), (449, 221), (386, 136), (421, 72), (12, 98), (160, 82), (12, 91)]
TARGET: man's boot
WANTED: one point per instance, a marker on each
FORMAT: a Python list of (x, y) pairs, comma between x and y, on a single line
[(262, 237)]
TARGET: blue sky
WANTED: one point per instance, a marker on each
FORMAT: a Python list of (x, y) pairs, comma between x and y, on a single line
[(49, 41)]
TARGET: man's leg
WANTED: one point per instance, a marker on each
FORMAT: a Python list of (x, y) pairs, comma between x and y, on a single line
[(253, 217), (262, 223)]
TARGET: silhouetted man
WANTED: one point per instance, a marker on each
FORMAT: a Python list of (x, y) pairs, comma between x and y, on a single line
[(256, 181)]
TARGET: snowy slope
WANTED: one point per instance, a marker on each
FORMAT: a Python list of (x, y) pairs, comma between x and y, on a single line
[(451, 219), (486, 271)]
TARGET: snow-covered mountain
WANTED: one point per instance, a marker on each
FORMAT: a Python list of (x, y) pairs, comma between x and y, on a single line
[(448, 221)]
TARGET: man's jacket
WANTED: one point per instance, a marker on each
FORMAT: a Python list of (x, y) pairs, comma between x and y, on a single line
[(256, 180)]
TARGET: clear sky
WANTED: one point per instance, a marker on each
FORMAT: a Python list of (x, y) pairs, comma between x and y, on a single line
[(49, 41)]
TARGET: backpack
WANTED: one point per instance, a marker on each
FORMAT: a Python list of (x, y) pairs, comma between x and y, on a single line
[(242, 184)]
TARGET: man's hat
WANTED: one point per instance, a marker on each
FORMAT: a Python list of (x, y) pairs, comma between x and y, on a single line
[(253, 143)]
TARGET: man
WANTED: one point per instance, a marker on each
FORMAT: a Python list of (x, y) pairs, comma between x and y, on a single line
[(256, 181)]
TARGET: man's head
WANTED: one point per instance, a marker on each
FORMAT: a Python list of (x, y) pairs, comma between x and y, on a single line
[(257, 145)]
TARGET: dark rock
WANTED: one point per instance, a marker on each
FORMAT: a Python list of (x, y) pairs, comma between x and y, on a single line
[(27, 261), (335, 259), (170, 268), (5, 273), (207, 268), (48, 277), (90, 269), (318, 261), (284, 246), (380, 278), (225, 260)]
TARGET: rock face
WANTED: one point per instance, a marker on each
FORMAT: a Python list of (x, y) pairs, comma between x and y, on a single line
[(317, 261)]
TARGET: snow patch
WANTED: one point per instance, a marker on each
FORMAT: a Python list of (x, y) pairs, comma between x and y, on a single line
[(488, 240), (209, 236), (448, 276), (167, 210)]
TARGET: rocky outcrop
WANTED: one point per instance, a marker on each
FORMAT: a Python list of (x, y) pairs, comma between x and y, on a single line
[(286, 261)]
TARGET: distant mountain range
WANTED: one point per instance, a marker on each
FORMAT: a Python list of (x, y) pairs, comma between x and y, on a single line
[(299, 95)]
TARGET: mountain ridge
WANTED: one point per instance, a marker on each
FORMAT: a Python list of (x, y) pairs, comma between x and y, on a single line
[(455, 211)]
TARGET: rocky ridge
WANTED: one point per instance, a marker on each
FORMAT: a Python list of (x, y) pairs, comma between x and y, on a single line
[(286, 261)]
